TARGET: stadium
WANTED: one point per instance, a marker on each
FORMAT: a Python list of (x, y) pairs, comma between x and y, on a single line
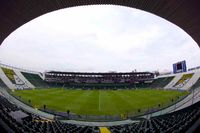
[(100, 102)]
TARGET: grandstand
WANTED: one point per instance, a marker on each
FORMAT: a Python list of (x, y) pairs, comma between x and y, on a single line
[(12, 80), (158, 117), (141, 125), (184, 118), (99, 80), (163, 118), (35, 79), (161, 82)]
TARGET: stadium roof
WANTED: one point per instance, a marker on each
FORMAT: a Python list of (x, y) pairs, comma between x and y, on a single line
[(183, 13)]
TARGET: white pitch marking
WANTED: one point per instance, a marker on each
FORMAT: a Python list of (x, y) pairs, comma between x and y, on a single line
[(99, 102)]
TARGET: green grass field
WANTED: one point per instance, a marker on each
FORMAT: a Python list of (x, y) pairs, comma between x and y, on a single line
[(98, 102)]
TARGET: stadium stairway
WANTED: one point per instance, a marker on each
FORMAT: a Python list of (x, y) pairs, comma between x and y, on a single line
[(18, 73), (5, 79), (104, 130)]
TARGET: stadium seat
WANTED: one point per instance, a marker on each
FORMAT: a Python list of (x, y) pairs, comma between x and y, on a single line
[(179, 121), (161, 82), (35, 79)]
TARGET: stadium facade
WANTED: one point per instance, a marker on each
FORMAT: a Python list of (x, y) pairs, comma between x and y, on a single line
[(14, 78), (99, 80)]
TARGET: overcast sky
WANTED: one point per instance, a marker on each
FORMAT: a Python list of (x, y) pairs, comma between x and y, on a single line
[(99, 39)]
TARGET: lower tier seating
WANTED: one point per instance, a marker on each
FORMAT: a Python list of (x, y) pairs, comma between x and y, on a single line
[(179, 121), (176, 122), (36, 124)]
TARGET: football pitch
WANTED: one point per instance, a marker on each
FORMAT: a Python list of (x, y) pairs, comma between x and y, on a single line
[(99, 102)]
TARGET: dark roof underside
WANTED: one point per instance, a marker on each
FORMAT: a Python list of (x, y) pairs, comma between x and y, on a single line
[(183, 13), (99, 73)]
